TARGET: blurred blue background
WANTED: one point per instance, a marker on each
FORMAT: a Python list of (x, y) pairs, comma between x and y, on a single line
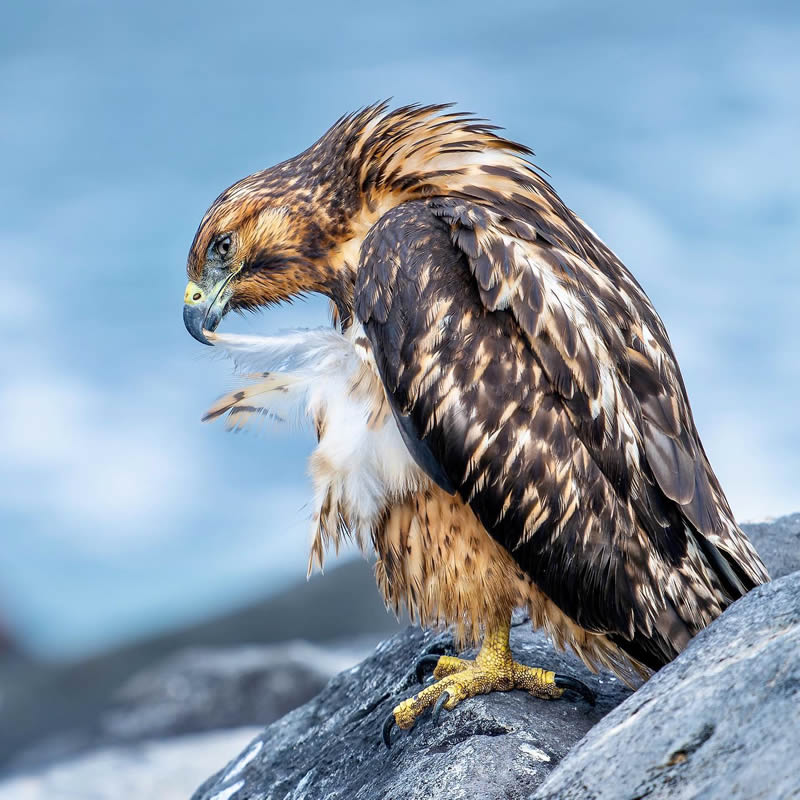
[(672, 129)]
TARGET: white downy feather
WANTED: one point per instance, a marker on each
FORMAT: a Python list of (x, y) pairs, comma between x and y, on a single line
[(310, 374)]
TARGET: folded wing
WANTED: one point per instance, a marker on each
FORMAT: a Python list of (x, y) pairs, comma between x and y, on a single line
[(495, 358)]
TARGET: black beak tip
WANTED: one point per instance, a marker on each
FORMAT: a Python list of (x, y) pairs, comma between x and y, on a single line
[(193, 319)]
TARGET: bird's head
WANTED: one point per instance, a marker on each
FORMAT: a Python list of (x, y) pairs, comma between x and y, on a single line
[(263, 240), (296, 228)]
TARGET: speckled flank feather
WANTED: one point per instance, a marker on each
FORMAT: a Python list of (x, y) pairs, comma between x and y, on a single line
[(499, 373), (436, 560), (576, 507)]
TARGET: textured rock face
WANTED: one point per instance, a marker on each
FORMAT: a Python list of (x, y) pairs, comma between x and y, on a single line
[(722, 721), (501, 745), (778, 543), (725, 714)]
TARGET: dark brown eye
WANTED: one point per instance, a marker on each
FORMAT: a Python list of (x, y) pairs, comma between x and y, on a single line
[(223, 246)]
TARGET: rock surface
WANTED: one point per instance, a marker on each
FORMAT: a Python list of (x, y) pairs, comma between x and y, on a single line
[(150, 741), (721, 721), (161, 770), (724, 713), (201, 689), (778, 543), (340, 606), (501, 745)]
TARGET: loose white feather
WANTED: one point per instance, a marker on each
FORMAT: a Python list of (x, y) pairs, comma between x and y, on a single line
[(292, 374), (360, 465)]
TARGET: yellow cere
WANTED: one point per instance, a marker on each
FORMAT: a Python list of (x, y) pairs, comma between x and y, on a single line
[(193, 294)]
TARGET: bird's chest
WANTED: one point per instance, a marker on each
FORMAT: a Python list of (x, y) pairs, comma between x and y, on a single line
[(361, 464)]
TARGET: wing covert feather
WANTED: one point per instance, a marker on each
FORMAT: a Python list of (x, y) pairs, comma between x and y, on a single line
[(607, 354)]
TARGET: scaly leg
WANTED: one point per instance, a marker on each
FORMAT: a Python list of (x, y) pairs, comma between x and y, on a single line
[(493, 670)]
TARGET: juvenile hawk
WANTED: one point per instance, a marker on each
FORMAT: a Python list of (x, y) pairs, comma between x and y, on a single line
[(499, 411)]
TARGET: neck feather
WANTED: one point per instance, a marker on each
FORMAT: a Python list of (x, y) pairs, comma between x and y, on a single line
[(373, 160)]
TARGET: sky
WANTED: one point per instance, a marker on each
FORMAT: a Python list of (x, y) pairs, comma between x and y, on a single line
[(672, 129)]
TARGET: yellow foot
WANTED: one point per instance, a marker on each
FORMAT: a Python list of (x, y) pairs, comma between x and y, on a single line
[(493, 670)]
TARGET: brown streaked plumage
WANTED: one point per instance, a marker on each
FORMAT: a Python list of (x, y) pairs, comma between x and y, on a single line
[(435, 559), (540, 450)]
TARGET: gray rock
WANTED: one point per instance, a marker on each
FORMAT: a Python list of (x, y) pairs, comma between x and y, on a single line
[(723, 713), (721, 721), (778, 543), (494, 746), (342, 605), (502, 745), (201, 689)]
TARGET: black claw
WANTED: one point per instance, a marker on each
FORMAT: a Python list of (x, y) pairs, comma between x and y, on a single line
[(425, 661), (438, 706), (388, 724), (573, 685)]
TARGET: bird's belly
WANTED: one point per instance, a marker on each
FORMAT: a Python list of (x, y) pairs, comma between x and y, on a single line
[(437, 560), (360, 467)]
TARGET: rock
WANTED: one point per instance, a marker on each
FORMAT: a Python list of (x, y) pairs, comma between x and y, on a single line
[(340, 606), (778, 543), (726, 718), (500, 745), (8, 644), (721, 721), (722, 712), (201, 689), (166, 770)]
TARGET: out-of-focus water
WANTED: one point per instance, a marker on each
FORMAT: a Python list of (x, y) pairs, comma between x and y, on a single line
[(671, 129)]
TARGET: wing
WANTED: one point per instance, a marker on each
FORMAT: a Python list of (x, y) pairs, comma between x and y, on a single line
[(515, 430), (607, 354)]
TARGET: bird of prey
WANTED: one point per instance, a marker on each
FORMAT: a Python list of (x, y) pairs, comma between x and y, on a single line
[(498, 408)]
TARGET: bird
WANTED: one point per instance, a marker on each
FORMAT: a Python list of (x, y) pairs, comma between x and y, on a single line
[(500, 415)]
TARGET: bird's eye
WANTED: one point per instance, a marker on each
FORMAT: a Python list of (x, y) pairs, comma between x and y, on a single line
[(223, 246)]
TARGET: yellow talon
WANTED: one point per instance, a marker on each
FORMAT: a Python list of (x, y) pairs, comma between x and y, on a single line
[(449, 665), (493, 670)]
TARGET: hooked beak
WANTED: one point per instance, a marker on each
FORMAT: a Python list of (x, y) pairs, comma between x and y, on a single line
[(204, 305)]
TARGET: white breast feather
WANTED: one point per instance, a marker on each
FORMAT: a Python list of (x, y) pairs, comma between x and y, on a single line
[(309, 375)]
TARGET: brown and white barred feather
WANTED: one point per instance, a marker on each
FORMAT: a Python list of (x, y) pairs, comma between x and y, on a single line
[(537, 429)]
